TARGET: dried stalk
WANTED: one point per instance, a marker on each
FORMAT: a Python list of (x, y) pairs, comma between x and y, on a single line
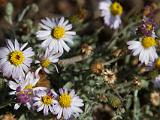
[(73, 60)]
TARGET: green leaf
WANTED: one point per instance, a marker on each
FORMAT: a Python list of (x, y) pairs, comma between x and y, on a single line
[(68, 85), (9, 9)]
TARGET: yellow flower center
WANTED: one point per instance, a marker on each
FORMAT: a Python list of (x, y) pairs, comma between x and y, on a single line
[(65, 100), (148, 42), (16, 57), (116, 9), (157, 63), (45, 63), (149, 27), (29, 86), (47, 100), (58, 32)]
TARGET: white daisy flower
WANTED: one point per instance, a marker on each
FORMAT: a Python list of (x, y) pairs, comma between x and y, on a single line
[(55, 34), (111, 12), (68, 104), (50, 57), (145, 48), (45, 100), (23, 88), (14, 60)]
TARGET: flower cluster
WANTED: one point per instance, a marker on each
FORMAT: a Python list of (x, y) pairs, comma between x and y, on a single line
[(16, 65), (145, 47), (147, 27), (104, 59)]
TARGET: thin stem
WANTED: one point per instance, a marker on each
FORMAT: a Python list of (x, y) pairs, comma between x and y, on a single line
[(6, 104), (23, 13), (73, 60), (111, 61), (116, 92), (116, 35)]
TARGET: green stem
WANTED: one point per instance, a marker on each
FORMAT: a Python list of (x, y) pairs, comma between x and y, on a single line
[(23, 14), (116, 92), (116, 35), (136, 111)]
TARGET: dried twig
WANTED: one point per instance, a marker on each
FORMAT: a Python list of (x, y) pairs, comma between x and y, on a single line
[(73, 60)]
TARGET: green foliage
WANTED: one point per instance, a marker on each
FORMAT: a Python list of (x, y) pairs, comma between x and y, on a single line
[(124, 98)]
